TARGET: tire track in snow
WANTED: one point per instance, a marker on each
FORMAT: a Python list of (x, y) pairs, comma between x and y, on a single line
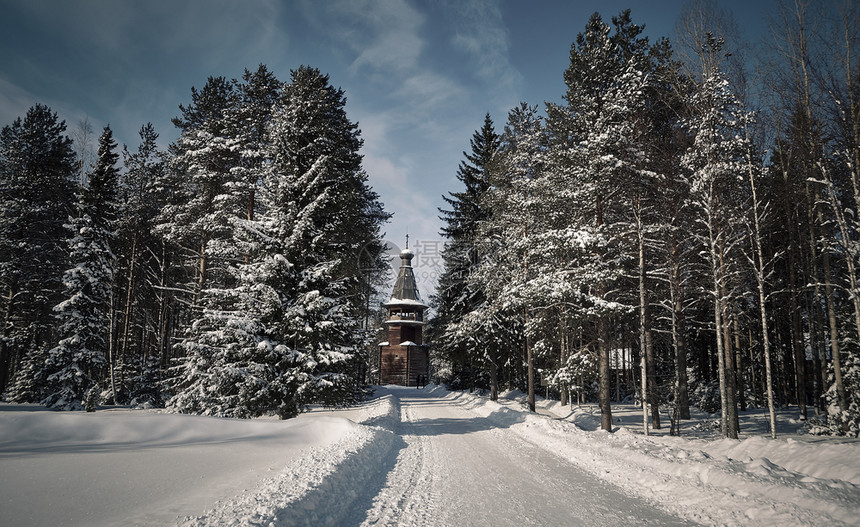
[(408, 497)]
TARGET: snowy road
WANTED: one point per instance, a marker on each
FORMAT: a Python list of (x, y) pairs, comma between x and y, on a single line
[(454, 467)]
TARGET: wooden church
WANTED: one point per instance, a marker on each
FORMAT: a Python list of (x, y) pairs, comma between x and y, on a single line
[(404, 356)]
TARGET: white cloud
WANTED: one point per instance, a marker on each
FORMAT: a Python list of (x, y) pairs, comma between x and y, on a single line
[(385, 176)]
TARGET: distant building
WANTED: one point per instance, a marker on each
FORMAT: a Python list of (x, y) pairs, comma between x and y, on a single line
[(404, 356)]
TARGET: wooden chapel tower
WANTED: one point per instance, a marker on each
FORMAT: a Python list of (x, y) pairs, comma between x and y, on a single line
[(404, 356)]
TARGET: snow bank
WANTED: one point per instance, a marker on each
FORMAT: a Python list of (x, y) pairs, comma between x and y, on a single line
[(325, 487), (318, 489), (33, 429), (141, 467), (756, 481)]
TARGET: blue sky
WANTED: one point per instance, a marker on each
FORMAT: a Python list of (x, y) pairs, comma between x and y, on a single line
[(419, 76)]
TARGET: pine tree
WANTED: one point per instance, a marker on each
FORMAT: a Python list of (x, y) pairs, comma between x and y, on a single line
[(597, 160), (207, 191), (717, 164), (136, 246), (503, 328), (37, 167), (221, 370)]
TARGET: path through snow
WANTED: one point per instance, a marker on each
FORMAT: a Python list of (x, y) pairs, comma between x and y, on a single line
[(457, 468), (434, 460)]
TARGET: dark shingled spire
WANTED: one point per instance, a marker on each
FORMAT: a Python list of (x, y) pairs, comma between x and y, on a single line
[(405, 288)]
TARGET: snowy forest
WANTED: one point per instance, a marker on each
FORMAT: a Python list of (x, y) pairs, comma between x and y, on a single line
[(679, 232), (218, 277)]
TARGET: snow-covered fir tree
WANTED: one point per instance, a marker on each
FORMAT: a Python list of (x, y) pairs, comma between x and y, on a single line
[(74, 366), (455, 298), (231, 359), (278, 326), (325, 216)]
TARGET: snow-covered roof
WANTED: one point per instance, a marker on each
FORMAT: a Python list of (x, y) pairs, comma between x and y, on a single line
[(404, 302), (407, 322)]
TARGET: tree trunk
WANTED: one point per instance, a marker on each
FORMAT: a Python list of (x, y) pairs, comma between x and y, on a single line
[(679, 338), (739, 372), (732, 421), (163, 311), (816, 315), (718, 317), (646, 348), (5, 356), (798, 350), (129, 297), (111, 351), (494, 379), (563, 357), (531, 373), (202, 268), (605, 395), (603, 370), (845, 241), (644, 368), (760, 274), (841, 395), (529, 356)]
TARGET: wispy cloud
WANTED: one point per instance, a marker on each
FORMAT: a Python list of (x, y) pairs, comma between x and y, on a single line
[(383, 36), (426, 74), (14, 101), (481, 33)]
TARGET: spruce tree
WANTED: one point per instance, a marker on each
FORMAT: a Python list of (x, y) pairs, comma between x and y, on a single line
[(324, 214), (277, 327), (455, 298), (74, 366)]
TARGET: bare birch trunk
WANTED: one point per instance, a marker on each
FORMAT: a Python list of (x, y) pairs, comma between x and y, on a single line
[(760, 275)]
